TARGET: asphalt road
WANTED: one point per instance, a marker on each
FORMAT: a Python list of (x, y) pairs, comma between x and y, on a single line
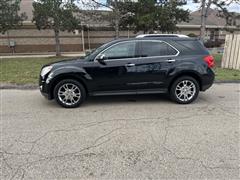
[(124, 137)]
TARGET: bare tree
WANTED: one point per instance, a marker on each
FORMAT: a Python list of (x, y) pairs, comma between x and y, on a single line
[(117, 10), (205, 6)]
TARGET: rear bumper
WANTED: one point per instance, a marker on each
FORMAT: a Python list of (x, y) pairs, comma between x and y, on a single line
[(207, 80), (205, 87)]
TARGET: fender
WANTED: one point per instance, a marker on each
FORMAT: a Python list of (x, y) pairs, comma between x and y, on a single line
[(186, 68), (62, 71), (67, 71), (188, 65)]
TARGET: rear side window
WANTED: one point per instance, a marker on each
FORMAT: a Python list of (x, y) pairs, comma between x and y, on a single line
[(191, 47), (155, 48)]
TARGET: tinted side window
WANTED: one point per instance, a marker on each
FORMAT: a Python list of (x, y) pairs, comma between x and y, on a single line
[(121, 51), (191, 47), (151, 48)]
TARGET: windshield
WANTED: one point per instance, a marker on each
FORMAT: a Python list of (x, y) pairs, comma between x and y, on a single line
[(95, 52)]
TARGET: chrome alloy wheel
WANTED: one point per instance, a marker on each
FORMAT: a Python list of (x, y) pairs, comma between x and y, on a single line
[(69, 94), (185, 90)]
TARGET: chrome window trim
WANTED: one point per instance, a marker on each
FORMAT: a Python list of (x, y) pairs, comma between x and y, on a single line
[(139, 57), (162, 35)]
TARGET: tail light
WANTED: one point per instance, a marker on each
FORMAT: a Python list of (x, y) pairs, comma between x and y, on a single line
[(209, 60)]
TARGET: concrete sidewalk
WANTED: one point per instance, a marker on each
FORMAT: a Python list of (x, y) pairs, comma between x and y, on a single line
[(37, 55)]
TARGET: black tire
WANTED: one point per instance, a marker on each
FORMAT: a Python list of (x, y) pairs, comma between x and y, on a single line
[(69, 104), (173, 92)]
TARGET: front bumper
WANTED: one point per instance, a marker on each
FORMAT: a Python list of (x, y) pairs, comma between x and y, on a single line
[(44, 88)]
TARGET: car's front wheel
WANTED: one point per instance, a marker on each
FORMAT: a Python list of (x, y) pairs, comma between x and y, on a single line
[(184, 90), (69, 93)]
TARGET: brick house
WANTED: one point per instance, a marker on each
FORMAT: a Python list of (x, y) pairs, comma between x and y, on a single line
[(28, 39)]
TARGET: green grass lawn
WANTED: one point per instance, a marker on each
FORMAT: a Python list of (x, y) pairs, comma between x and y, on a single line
[(224, 74), (23, 70), (26, 70)]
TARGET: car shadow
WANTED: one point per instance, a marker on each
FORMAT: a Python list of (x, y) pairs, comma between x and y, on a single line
[(126, 99), (116, 99)]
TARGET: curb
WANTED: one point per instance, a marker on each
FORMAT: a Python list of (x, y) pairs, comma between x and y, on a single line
[(18, 86), (226, 81), (34, 86)]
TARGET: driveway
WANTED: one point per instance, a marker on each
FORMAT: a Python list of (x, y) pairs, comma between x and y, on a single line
[(123, 137)]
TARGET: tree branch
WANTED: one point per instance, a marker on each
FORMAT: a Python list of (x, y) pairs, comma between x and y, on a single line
[(208, 6), (101, 4)]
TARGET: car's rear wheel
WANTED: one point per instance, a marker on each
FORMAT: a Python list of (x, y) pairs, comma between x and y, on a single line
[(184, 90), (69, 93)]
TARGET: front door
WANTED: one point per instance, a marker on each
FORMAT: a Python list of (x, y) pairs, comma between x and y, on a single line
[(113, 73)]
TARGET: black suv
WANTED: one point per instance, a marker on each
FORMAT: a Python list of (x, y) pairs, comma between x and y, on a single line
[(180, 66)]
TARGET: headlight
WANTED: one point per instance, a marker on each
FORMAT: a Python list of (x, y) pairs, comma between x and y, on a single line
[(46, 70)]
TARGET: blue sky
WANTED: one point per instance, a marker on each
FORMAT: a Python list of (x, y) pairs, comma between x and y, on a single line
[(195, 6)]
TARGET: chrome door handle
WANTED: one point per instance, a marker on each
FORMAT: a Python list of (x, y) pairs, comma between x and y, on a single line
[(129, 65), (170, 60)]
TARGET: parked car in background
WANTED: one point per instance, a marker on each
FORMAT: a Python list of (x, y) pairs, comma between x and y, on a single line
[(214, 43), (176, 65)]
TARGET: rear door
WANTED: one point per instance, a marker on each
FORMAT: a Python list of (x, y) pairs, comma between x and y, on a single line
[(157, 59)]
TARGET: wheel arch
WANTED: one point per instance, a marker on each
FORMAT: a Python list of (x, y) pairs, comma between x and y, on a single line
[(187, 73), (59, 78)]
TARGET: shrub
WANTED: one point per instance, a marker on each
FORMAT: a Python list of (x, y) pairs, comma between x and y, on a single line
[(212, 43), (192, 35)]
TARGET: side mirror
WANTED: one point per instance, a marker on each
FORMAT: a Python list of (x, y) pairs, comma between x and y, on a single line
[(100, 58), (87, 52)]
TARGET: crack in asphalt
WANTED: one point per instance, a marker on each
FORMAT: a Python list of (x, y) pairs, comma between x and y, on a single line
[(94, 145), (169, 155)]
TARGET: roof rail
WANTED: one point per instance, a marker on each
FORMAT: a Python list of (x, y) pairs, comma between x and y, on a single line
[(161, 35)]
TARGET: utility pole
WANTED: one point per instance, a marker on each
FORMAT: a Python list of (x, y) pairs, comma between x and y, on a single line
[(128, 31), (203, 20), (89, 44), (83, 42)]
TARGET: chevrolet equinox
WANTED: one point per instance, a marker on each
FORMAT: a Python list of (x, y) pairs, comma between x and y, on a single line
[(177, 65)]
